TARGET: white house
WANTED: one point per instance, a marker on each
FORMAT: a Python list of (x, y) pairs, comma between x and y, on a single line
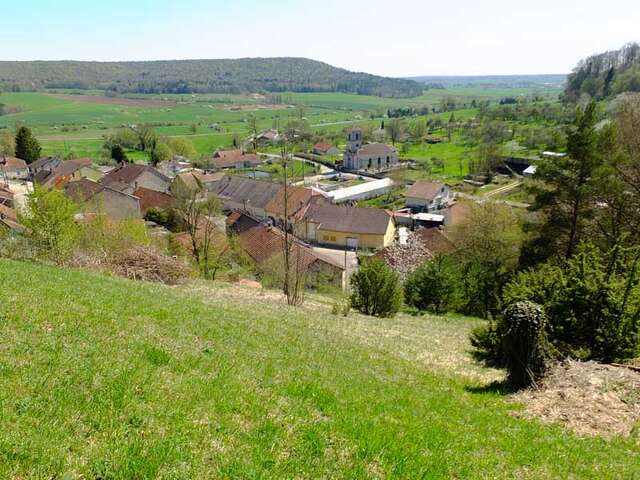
[(425, 196)]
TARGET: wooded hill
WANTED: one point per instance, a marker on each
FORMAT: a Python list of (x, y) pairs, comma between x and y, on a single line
[(245, 75), (606, 74)]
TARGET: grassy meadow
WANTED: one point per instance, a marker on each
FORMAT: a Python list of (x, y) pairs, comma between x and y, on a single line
[(131, 380)]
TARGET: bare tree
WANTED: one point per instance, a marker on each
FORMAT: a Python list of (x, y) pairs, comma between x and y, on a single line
[(252, 123), (197, 213), (294, 269), (394, 129)]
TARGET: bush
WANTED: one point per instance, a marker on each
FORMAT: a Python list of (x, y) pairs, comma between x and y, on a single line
[(434, 286), (50, 224), (524, 343), (592, 302), (376, 289)]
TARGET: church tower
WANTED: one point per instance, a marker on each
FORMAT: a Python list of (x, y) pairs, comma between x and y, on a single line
[(354, 143)]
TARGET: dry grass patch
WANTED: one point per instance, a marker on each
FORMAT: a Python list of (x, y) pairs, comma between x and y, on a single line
[(587, 397)]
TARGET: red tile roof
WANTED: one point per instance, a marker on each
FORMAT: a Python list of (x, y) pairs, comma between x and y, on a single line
[(263, 242), (323, 147), (230, 158), (152, 199)]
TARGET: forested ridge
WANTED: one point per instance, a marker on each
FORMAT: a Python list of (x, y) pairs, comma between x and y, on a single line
[(606, 74), (202, 76)]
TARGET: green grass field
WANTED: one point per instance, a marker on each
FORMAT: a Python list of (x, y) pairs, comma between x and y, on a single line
[(111, 379)]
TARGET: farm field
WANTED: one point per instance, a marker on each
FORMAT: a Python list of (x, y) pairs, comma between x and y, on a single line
[(71, 124), (133, 380)]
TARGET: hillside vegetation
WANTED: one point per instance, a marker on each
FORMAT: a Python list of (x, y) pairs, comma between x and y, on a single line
[(106, 378), (202, 76), (606, 74)]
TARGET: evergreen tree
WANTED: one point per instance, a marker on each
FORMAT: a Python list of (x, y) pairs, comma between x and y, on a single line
[(376, 289), (27, 147)]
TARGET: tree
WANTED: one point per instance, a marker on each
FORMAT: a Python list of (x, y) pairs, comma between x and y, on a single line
[(7, 144), (569, 185), (118, 154), (26, 146), (375, 289), (394, 129), (197, 214), (181, 146), (434, 286), (488, 240), (252, 124), (294, 270), (146, 137), (161, 153), (49, 221), (418, 129)]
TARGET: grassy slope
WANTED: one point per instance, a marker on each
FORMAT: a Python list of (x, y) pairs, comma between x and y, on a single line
[(112, 379)]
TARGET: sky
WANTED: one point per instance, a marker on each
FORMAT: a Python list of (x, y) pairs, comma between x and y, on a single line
[(391, 37)]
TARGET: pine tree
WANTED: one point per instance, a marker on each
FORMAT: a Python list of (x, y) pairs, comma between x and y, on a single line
[(27, 147)]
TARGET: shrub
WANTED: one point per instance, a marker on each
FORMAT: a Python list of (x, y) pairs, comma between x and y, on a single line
[(524, 343), (50, 224), (434, 286), (592, 302), (376, 289)]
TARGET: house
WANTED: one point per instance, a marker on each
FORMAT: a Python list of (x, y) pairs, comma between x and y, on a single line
[(57, 174), (129, 176), (264, 244), (425, 196), (195, 180), (44, 163), (246, 194), (323, 148), (173, 167), (458, 213), (8, 220), (347, 227), (297, 199), (530, 171), (6, 196), (374, 157), (235, 159), (268, 137), (97, 198), (12, 168), (152, 199)]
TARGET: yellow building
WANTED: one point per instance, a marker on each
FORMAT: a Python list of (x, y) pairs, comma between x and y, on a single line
[(351, 227)]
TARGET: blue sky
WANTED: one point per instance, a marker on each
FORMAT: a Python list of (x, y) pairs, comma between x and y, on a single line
[(396, 38)]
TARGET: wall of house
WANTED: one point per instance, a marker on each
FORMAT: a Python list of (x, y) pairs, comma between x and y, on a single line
[(373, 241), (114, 205), (15, 174), (87, 172), (150, 181)]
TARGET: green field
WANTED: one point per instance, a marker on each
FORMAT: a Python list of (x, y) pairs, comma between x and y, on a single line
[(130, 380), (74, 125)]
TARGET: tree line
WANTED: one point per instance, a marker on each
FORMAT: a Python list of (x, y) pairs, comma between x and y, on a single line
[(202, 76)]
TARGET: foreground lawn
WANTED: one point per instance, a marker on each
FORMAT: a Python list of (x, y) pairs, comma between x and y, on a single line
[(107, 378)]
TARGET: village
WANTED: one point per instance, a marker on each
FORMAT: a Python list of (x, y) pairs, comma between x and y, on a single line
[(320, 212)]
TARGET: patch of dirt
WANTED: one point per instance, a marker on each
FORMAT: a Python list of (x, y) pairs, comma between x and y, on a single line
[(125, 102), (587, 397), (257, 107)]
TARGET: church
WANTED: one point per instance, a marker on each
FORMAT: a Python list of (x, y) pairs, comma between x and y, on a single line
[(372, 157)]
